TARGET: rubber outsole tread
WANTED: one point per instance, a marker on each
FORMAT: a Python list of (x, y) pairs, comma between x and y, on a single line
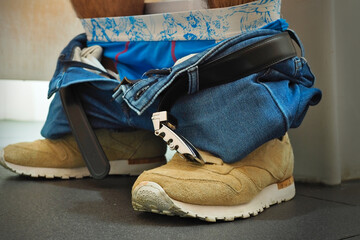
[(150, 197), (32, 171)]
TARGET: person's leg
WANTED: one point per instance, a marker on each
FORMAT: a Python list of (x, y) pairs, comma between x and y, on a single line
[(112, 8), (107, 8), (226, 3)]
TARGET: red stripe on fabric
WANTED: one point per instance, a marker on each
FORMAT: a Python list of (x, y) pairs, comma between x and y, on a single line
[(173, 51), (124, 51)]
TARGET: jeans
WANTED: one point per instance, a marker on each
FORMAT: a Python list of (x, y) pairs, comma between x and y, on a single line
[(228, 120)]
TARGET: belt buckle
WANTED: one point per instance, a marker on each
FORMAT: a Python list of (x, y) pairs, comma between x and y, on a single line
[(165, 130)]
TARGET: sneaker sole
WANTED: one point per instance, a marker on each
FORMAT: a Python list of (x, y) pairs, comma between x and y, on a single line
[(117, 167), (151, 197)]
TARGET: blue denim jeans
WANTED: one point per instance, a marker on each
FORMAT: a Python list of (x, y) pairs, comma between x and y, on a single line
[(228, 120)]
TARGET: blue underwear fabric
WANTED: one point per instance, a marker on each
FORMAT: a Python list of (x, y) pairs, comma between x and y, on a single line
[(134, 58)]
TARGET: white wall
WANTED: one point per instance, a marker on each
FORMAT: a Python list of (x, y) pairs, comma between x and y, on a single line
[(326, 145), (33, 32)]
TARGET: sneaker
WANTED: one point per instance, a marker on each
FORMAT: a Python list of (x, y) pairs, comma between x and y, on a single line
[(216, 190), (128, 153)]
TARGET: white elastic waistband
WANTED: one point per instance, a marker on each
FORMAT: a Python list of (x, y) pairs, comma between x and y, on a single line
[(205, 24)]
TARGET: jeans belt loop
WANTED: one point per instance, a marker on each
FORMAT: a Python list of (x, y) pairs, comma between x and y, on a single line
[(193, 74)]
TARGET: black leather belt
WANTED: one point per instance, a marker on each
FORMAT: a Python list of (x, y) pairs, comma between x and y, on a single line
[(90, 148), (251, 59)]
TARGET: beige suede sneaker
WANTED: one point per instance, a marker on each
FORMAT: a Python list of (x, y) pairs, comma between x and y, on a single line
[(216, 190), (128, 153)]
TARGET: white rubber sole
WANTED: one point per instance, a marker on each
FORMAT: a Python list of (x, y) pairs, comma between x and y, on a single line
[(117, 167), (151, 197)]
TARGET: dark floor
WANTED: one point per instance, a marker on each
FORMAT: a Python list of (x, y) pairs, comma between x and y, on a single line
[(101, 209)]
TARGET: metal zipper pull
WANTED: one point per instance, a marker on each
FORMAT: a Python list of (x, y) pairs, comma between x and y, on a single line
[(165, 130)]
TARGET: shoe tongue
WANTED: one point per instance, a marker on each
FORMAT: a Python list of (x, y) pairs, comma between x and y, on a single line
[(210, 159)]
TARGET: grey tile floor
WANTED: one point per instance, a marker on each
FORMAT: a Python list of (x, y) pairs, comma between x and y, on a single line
[(101, 209)]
